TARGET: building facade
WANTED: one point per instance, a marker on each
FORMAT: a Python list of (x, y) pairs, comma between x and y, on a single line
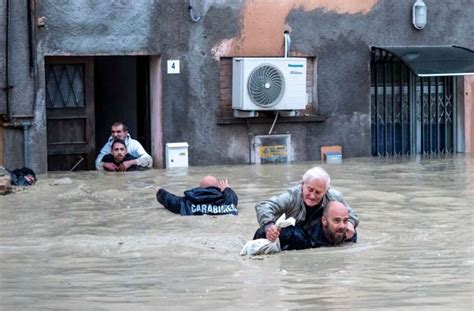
[(69, 69)]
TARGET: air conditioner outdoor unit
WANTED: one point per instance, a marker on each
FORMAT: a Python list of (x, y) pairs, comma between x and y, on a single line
[(262, 84)]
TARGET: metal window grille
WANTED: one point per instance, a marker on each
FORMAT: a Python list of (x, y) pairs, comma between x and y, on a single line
[(409, 114), (65, 87)]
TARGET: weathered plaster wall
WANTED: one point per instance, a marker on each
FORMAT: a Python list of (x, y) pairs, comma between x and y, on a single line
[(21, 93), (265, 21), (83, 27), (338, 33)]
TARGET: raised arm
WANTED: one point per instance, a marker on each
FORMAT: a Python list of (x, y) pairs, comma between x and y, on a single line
[(269, 210), (231, 198)]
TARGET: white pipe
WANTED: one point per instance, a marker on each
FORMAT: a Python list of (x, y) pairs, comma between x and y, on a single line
[(274, 121), (287, 43)]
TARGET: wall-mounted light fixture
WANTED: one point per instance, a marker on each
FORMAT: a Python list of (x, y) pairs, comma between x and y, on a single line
[(419, 14)]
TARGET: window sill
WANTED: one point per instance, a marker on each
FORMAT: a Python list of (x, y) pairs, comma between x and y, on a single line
[(269, 120)]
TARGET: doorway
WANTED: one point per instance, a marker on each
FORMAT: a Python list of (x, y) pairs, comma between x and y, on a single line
[(122, 94), (85, 96)]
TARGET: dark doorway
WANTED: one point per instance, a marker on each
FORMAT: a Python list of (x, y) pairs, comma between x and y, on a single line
[(122, 94)]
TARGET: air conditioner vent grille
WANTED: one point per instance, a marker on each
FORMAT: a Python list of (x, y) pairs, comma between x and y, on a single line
[(266, 86)]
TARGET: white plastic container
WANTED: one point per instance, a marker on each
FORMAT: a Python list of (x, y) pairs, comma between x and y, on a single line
[(177, 155)]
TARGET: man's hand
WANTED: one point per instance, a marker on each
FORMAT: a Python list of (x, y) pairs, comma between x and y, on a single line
[(223, 183), (272, 233), (126, 164), (110, 167), (350, 231)]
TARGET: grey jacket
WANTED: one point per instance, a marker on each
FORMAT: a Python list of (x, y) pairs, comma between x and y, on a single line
[(291, 203)]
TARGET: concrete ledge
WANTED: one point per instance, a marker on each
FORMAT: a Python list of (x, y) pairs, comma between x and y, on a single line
[(269, 120)]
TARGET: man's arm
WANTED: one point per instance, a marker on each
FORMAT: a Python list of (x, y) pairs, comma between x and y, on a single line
[(137, 150), (103, 152), (107, 163), (170, 201), (353, 218), (231, 201), (230, 196), (352, 223), (269, 210)]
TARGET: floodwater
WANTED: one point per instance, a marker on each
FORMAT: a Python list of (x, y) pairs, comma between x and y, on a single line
[(103, 242)]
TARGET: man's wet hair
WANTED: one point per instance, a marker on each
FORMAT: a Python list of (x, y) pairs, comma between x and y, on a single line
[(118, 141), (124, 126)]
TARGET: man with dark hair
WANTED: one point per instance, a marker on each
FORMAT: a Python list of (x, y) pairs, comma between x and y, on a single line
[(213, 197), (141, 157), (117, 156)]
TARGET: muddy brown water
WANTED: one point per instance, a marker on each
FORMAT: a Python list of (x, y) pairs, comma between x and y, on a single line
[(103, 242)]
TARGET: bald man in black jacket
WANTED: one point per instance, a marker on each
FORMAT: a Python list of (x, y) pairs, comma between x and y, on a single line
[(213, 197)]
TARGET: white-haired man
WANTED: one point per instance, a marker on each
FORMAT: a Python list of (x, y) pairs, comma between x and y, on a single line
[(306, 203)]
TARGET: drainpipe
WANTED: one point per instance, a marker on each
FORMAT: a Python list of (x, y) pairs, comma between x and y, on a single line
[(7, 86), (30, 4), (26, 137), (31, 8), (24, 122)]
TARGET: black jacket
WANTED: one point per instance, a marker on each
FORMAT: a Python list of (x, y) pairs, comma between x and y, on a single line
[(110, 159), (199, 201), (18, 176), (298, 238)]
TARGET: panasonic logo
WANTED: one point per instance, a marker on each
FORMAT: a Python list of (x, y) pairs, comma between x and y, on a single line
[(295, 65)]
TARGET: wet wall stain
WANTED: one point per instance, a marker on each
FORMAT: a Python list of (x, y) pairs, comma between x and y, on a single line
[(263, 24)]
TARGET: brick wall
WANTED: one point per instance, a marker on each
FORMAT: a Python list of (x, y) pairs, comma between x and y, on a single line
[(225, 83)]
